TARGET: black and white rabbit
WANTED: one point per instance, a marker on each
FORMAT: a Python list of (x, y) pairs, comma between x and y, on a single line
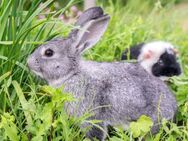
[(118, 92), (159, 58)]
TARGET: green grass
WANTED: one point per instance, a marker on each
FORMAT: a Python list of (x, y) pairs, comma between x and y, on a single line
[(31, 111)]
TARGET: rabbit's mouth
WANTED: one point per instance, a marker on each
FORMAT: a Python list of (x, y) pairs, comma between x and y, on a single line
[(33, 65), (37, 73), (36, 70)]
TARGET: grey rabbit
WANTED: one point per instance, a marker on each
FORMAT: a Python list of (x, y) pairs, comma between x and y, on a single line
[(117, 92)]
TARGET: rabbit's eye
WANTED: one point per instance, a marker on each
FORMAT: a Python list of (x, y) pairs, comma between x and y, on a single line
[(160, 62), (49, 53)]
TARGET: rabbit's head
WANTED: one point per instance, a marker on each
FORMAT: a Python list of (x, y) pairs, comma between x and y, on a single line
[(160, 59), (59, 58)]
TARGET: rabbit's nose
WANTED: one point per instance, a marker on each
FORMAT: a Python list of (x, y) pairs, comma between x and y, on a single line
[(36, 61), (31, 61)]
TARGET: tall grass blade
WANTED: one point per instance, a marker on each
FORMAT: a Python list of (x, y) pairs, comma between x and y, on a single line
[(4, 76), (33, 15), (4, 18), (23, 101)]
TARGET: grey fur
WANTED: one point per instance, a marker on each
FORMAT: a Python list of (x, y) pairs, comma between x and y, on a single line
[(119, 92)]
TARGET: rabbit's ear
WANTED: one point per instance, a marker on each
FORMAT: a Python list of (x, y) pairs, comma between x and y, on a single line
[(88, 15), (90, 33), (85, 17), (148, 54)]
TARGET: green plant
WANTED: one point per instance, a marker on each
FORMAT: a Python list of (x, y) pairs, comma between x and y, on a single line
[(31, 112), (43, 121)]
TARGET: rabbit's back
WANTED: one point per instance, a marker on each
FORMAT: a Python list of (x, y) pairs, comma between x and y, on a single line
[(120, 93)]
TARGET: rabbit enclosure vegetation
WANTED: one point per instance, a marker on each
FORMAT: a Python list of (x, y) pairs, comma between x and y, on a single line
[(30, 110)]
